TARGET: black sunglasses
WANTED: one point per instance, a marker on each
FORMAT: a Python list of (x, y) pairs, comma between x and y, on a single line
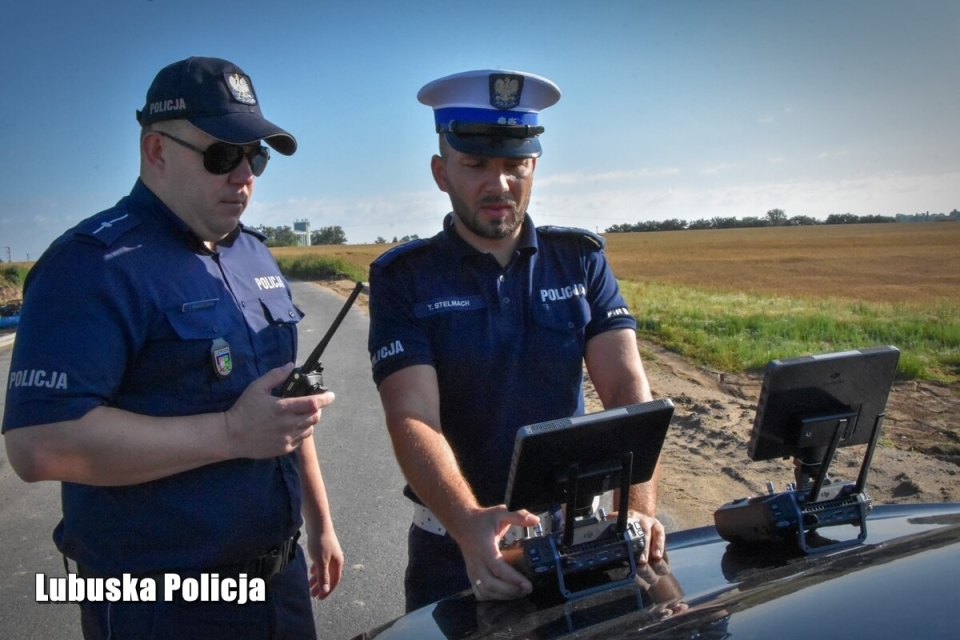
[(221, 157)]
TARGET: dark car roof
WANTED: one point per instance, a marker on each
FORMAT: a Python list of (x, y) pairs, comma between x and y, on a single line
[(902, 581)]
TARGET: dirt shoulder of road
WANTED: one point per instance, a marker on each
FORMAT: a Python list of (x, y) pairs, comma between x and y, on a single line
[(705, 463)]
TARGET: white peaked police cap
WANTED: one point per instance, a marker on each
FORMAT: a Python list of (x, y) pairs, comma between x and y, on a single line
[(491, 112)]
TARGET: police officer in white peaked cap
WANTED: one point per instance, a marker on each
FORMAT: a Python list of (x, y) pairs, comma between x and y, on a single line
[(485, 328)]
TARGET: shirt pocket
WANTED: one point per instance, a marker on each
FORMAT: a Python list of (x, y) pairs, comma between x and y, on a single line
[(274, 330), (205, 323), (281, 310), (558, 338), (189, 360), (569, 316)]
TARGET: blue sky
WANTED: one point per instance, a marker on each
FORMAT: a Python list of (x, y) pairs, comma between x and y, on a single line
[(669, 110)]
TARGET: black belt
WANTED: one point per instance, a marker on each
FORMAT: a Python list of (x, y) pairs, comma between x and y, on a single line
[(265, 566), (272, 562)]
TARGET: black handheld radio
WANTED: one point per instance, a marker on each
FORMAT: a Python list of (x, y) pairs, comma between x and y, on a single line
[(307, 379)]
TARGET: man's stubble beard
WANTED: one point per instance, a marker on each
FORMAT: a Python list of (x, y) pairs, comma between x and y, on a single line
[(498, 229)]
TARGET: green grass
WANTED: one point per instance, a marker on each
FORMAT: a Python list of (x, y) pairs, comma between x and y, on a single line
[(315, 267), (13, 275), (743, 331)]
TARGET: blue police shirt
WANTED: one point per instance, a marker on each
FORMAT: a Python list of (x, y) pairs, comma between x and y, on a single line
[(130, 310), (507, 343)]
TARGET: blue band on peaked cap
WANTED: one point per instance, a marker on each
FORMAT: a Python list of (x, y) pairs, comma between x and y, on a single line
[(490, 112), (443, 117), (215, 96)]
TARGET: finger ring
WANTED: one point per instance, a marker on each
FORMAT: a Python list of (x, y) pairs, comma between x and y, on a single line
[(477, 582)]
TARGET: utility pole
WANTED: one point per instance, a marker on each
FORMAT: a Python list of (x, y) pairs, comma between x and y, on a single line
[(8, 253)]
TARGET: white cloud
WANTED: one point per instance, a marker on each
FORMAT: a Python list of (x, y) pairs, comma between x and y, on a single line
[(362, 220), (716, 169), (823, 155), (609, 176)]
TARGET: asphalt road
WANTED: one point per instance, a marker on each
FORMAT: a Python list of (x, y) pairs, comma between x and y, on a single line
[(362, 478)]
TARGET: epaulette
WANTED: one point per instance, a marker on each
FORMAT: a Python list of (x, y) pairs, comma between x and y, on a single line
[(393, 253), (108, 226), (589, 236), (256, 233)]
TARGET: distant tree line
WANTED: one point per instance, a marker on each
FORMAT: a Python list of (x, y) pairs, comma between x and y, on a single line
[(382, 240), (774, 218), (285, 236), (849, 218), (929, 217)]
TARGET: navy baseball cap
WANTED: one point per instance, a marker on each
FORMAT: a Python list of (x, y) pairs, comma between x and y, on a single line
[(215, 96), (491, 112)]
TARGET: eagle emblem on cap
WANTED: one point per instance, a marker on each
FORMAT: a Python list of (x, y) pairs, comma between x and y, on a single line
[(241, 88), (505, 90)]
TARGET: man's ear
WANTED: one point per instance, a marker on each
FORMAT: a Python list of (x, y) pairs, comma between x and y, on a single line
[(151, 148), (438, 167)]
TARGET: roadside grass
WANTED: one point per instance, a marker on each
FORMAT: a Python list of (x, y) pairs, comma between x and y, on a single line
[(319, 267), (13, 274), (358, 256), (743, 331)]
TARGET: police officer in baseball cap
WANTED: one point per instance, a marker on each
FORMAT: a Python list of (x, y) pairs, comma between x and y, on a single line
[(177, 462), (218, 98)]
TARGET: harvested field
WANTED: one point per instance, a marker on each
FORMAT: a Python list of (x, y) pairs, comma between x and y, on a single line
[(909, 263)]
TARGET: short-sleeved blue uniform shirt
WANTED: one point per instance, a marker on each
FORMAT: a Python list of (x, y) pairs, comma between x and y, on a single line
[(130, 310), (507, 343)]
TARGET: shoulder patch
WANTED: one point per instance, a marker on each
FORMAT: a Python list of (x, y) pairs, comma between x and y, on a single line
[(572, 232), (390, 255), (262, 237), (108, 226)]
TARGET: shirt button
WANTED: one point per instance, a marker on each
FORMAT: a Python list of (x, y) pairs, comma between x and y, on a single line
[(290, 313), (570, 325), (506, 299), (501, 278)]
